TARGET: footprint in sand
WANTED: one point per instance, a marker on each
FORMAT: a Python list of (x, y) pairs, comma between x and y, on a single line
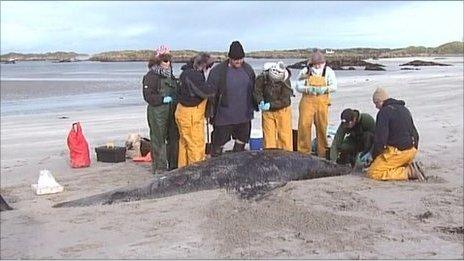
[(80, 247), (80, 220), (144, 243)]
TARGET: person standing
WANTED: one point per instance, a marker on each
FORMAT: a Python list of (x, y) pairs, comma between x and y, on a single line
[(315, 82), (159, 91), (231, 110), (355, 135), (396, 141), (190, 113), (272, 93)]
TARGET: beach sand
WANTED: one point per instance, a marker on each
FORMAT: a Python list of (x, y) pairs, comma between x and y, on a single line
[(347, 217)]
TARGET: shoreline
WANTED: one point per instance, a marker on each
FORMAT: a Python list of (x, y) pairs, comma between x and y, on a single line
[(224, 56)]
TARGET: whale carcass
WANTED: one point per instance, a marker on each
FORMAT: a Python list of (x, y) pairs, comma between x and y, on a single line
[(249, 173)]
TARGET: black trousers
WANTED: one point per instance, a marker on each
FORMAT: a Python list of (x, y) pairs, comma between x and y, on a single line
[(222, 134)]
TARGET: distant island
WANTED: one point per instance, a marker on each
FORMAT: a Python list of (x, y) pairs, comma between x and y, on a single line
[(452, 48), (50, 56)]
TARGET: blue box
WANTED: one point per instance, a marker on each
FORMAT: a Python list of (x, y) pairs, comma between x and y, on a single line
[(256, 143)]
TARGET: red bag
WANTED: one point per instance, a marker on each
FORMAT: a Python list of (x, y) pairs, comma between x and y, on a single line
[(78, 147)]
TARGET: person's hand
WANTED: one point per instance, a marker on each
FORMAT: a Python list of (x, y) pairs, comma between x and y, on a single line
[(366, 158), (311, 90), (167, 99), (266, 106), (320, 90)]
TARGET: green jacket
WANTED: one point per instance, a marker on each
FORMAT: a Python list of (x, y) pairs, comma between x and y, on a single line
[(276, 93), (365, 123), (156, 87)]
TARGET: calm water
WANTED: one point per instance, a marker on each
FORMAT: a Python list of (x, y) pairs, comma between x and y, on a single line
[(34, 87)]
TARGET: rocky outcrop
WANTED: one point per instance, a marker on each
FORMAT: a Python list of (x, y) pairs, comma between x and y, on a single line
[(343, 64), (424, 63), (409, 69), (374, 67)]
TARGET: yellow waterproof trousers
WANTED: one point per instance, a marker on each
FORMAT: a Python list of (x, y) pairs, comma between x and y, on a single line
[(392, 164), (313, 109), (277, 129), (191, 124)]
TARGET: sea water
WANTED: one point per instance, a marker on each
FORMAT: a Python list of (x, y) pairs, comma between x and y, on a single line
[(36, 87)]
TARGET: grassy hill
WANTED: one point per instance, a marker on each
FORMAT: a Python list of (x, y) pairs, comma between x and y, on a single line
[(52, 56), (184, 55), (451, 48), (144, 55)]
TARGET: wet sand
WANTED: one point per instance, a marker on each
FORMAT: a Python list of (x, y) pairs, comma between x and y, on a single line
[(347, 217)]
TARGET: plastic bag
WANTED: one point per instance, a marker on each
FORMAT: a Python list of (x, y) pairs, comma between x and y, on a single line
[(78, 147), (46, 184)]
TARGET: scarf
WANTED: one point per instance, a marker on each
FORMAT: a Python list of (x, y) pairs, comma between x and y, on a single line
[(166, 72)]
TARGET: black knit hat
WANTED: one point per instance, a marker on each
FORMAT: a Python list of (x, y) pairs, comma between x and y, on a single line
[(348, 115), (236, 51)]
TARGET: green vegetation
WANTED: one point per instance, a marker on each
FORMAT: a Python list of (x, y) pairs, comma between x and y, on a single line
[(144, 55), (451, 48), (185, 55), (55, 56)]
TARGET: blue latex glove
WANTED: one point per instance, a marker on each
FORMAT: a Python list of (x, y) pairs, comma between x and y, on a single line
[(311, 90), (320, 90), (366, 158), (167, 99), (266, 106)]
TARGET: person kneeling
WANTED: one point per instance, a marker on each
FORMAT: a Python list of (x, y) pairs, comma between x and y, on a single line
[(354, 136), (395, 142)]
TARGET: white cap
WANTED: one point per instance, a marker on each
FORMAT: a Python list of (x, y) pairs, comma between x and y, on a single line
[(277, 71), (269, 65)]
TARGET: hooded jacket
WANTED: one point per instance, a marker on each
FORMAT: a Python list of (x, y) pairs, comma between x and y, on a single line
[(394, 127), (277, 93), (193, 87)]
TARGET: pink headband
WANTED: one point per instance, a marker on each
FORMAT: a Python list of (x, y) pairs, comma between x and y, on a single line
[(161, 50)]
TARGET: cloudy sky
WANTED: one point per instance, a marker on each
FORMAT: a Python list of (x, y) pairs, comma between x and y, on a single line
[(92, 27)]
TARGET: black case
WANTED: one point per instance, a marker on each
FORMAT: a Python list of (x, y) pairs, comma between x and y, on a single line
[(112, 154)]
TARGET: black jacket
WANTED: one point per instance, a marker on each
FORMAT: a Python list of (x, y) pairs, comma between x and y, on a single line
[(218, 78), (193, 87), (156, 87), (394, 127), (276, 93)]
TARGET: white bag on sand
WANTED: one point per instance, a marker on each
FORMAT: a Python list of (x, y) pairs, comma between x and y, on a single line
[(46, 184)]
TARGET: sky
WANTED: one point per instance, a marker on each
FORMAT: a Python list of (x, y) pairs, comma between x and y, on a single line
[(92, 27)]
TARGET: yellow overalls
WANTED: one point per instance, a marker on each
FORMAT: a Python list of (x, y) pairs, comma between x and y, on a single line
[(191, 124), (313, 108), (392, 164), (277, 129)]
